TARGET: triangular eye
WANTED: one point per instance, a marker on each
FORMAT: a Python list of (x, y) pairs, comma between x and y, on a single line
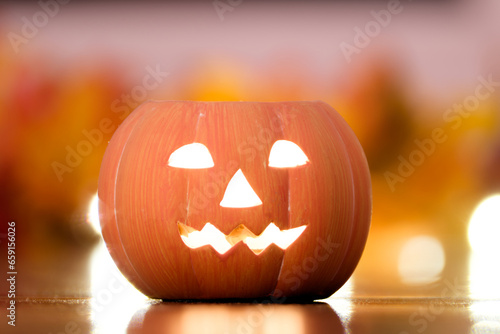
[(191, 156), (285, 153)]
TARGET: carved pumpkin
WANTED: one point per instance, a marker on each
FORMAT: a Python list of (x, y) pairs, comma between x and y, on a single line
[(209, 200)]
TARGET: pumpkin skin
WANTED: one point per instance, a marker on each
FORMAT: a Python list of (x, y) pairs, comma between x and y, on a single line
[(142, 199)]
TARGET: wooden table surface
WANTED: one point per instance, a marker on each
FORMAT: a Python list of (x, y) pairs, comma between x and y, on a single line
[(335, 315), (106, 303)]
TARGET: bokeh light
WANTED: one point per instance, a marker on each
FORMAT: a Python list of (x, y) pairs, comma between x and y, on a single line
[(114, 298), (484, 227), (421, 260), (93, 213)]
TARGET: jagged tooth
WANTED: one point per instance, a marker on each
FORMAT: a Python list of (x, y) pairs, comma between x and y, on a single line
[(184, 229), (211, 235), (239, 234), (287, 237)]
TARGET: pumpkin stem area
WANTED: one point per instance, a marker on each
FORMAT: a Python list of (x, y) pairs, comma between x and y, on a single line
[(211, 235)]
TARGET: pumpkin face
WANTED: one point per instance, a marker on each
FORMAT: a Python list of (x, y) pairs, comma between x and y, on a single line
[(206, 200)]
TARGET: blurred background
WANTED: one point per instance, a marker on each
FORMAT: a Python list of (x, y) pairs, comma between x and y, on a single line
[(418, 81)]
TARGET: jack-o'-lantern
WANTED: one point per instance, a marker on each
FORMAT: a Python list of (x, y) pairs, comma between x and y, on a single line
[(215, 200)]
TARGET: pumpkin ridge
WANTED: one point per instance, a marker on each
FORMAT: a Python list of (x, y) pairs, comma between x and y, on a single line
[(187, 199), (139, 120), (201, 114), (349, 170), (280, 117), (346, 136)]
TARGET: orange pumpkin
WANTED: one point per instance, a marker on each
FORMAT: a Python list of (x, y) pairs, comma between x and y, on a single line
[(214, 200)]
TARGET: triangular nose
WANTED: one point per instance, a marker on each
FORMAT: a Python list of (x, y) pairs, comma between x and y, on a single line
[(239, 193)]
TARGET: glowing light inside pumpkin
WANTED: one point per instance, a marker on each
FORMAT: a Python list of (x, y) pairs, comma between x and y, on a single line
[(285, 154), (210, 235), (191, 156), (239, 193), (272, 234)]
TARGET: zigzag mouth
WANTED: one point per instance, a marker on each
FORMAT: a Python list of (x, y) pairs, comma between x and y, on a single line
[(212, 236)]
